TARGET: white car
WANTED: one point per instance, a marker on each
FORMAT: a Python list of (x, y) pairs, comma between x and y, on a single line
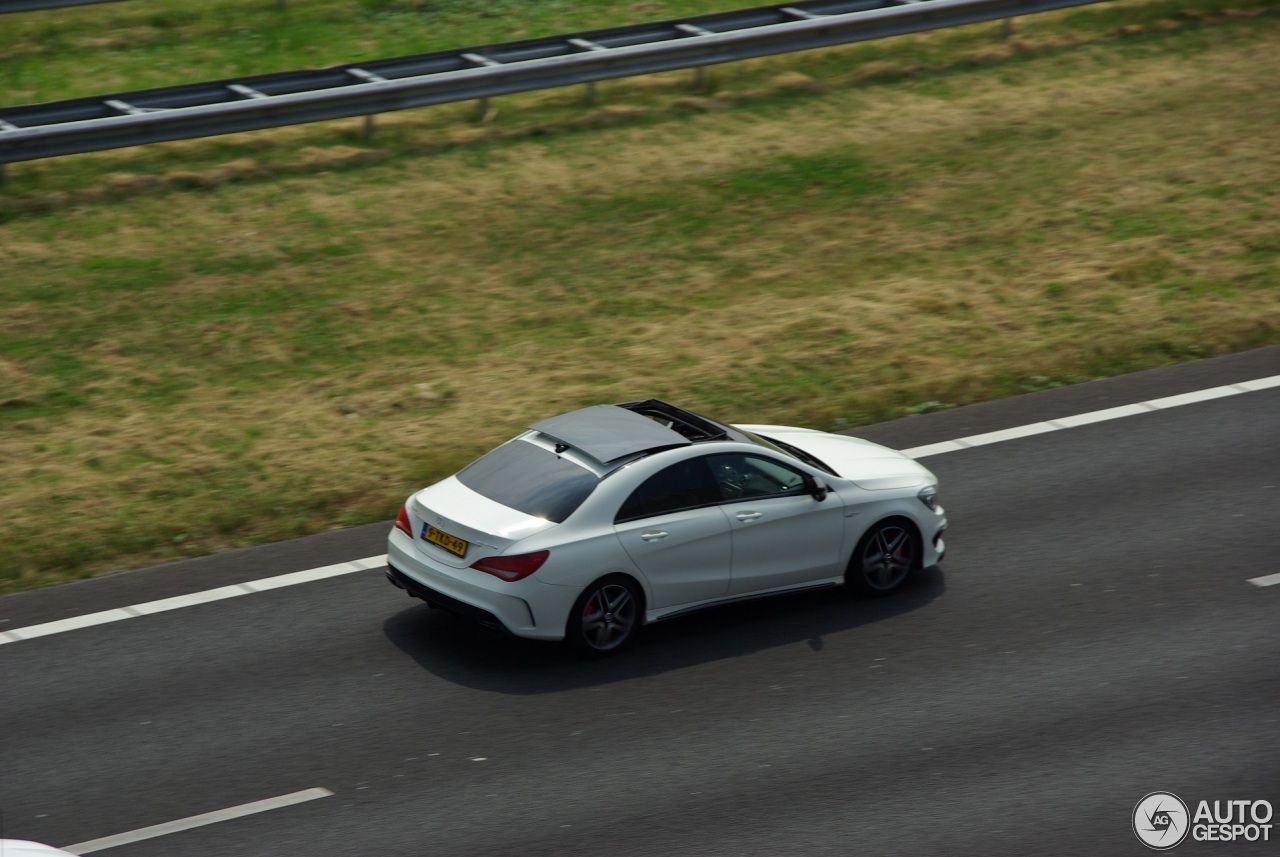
[(595, 522)]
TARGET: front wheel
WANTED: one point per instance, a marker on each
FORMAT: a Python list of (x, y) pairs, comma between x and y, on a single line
[(605, 616), (884, 557)]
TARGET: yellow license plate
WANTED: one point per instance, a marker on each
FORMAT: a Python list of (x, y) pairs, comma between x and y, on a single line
[(452, 544)]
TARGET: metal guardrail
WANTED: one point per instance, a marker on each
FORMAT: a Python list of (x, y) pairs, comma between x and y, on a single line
[(291, 98), (7, 6), (36, 5)]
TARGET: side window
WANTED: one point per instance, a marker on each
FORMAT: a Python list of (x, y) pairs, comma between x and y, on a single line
[(685, 485), (741, 477)]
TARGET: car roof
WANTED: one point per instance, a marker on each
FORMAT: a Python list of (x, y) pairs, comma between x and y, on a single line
[(610, 432)]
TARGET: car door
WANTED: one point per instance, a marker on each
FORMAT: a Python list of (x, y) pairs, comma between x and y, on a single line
[(674, 531), (782, 535), (676, 534)]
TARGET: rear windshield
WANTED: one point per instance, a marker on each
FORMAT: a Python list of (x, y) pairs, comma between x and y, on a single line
[(530, 479)]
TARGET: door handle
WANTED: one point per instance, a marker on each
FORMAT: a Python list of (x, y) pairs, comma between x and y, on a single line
[(749, 516), (653, 536)]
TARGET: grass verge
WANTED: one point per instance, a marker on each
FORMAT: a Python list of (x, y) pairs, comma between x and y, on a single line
[(223, 342)]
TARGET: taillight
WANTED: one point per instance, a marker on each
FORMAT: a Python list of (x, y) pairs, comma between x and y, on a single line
[(512, 568), (402, 522)]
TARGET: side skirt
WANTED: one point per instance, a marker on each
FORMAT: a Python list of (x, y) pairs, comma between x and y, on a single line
[(651, 616)]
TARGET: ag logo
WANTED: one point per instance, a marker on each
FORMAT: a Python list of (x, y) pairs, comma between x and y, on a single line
[(1161, 820)]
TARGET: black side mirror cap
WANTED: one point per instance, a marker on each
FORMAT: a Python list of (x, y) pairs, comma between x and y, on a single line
[(818, 487)]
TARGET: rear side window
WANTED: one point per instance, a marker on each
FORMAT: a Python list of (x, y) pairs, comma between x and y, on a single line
[(530, 479), (685, 485)]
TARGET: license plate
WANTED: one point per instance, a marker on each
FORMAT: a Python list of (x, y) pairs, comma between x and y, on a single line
[(452, 544)]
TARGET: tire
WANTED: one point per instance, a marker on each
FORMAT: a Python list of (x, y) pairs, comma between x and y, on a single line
[(884, 558), (606, 616)]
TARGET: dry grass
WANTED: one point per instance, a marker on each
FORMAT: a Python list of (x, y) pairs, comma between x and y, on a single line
[(212, 353)]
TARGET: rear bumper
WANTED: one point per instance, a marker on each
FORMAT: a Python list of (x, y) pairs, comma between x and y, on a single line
[(525, 608), (436, 598)]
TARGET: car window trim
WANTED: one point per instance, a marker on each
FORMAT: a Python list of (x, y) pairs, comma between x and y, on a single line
[(633, 519)]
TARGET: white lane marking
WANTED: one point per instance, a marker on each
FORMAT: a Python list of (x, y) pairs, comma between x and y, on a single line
[(196, 821), (1267, 580), (1101, 416), (1058, 424), (1061, 423), (1261, 384), (86, 621), (76, 622)]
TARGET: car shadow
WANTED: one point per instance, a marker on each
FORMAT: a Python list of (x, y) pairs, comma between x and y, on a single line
[(462, 652)]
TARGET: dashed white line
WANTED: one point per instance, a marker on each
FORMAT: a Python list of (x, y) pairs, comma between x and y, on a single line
[(1029, 430), (196, 821), (1266, 580)]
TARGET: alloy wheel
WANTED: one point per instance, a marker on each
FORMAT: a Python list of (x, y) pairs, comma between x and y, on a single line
[(605, 617), (886, 556)]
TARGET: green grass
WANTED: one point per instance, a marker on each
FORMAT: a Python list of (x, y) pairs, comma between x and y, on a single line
[(227, 341)]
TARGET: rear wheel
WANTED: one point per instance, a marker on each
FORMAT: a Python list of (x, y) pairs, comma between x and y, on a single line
[(884, 557), (605, 617)]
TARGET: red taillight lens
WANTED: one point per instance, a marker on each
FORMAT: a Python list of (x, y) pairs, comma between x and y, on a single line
[(402, 522), (511, 568)]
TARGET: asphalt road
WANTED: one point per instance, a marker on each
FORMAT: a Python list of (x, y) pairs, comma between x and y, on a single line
[(1092, 637)]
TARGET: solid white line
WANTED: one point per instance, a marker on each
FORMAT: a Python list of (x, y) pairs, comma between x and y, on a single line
[(1061, 423), (1197, 396), (1267, 580), (196, 821), (947, 446), (316, 573), (1006, 434), (935, 449), (1260, 384), (191, 600), (1101, 416), (61, 625)]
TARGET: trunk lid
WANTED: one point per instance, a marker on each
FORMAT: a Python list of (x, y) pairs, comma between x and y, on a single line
[(448, 512)]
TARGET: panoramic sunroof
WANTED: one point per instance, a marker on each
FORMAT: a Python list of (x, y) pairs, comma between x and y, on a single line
[(608, 432)]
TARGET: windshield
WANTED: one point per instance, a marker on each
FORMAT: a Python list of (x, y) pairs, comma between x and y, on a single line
[(530, 479)]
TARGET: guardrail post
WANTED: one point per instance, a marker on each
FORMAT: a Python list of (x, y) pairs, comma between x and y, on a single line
[(1007, 30), (590, 97), (367, 132), (482, 109), (699, 79)]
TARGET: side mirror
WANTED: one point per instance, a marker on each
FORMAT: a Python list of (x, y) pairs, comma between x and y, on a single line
[(817, 487)]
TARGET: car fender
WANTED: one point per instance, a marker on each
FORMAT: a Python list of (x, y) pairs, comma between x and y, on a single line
[(576, 565)]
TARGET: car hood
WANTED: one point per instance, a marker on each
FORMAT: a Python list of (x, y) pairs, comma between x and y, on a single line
[(869, 465), (26, 848)]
